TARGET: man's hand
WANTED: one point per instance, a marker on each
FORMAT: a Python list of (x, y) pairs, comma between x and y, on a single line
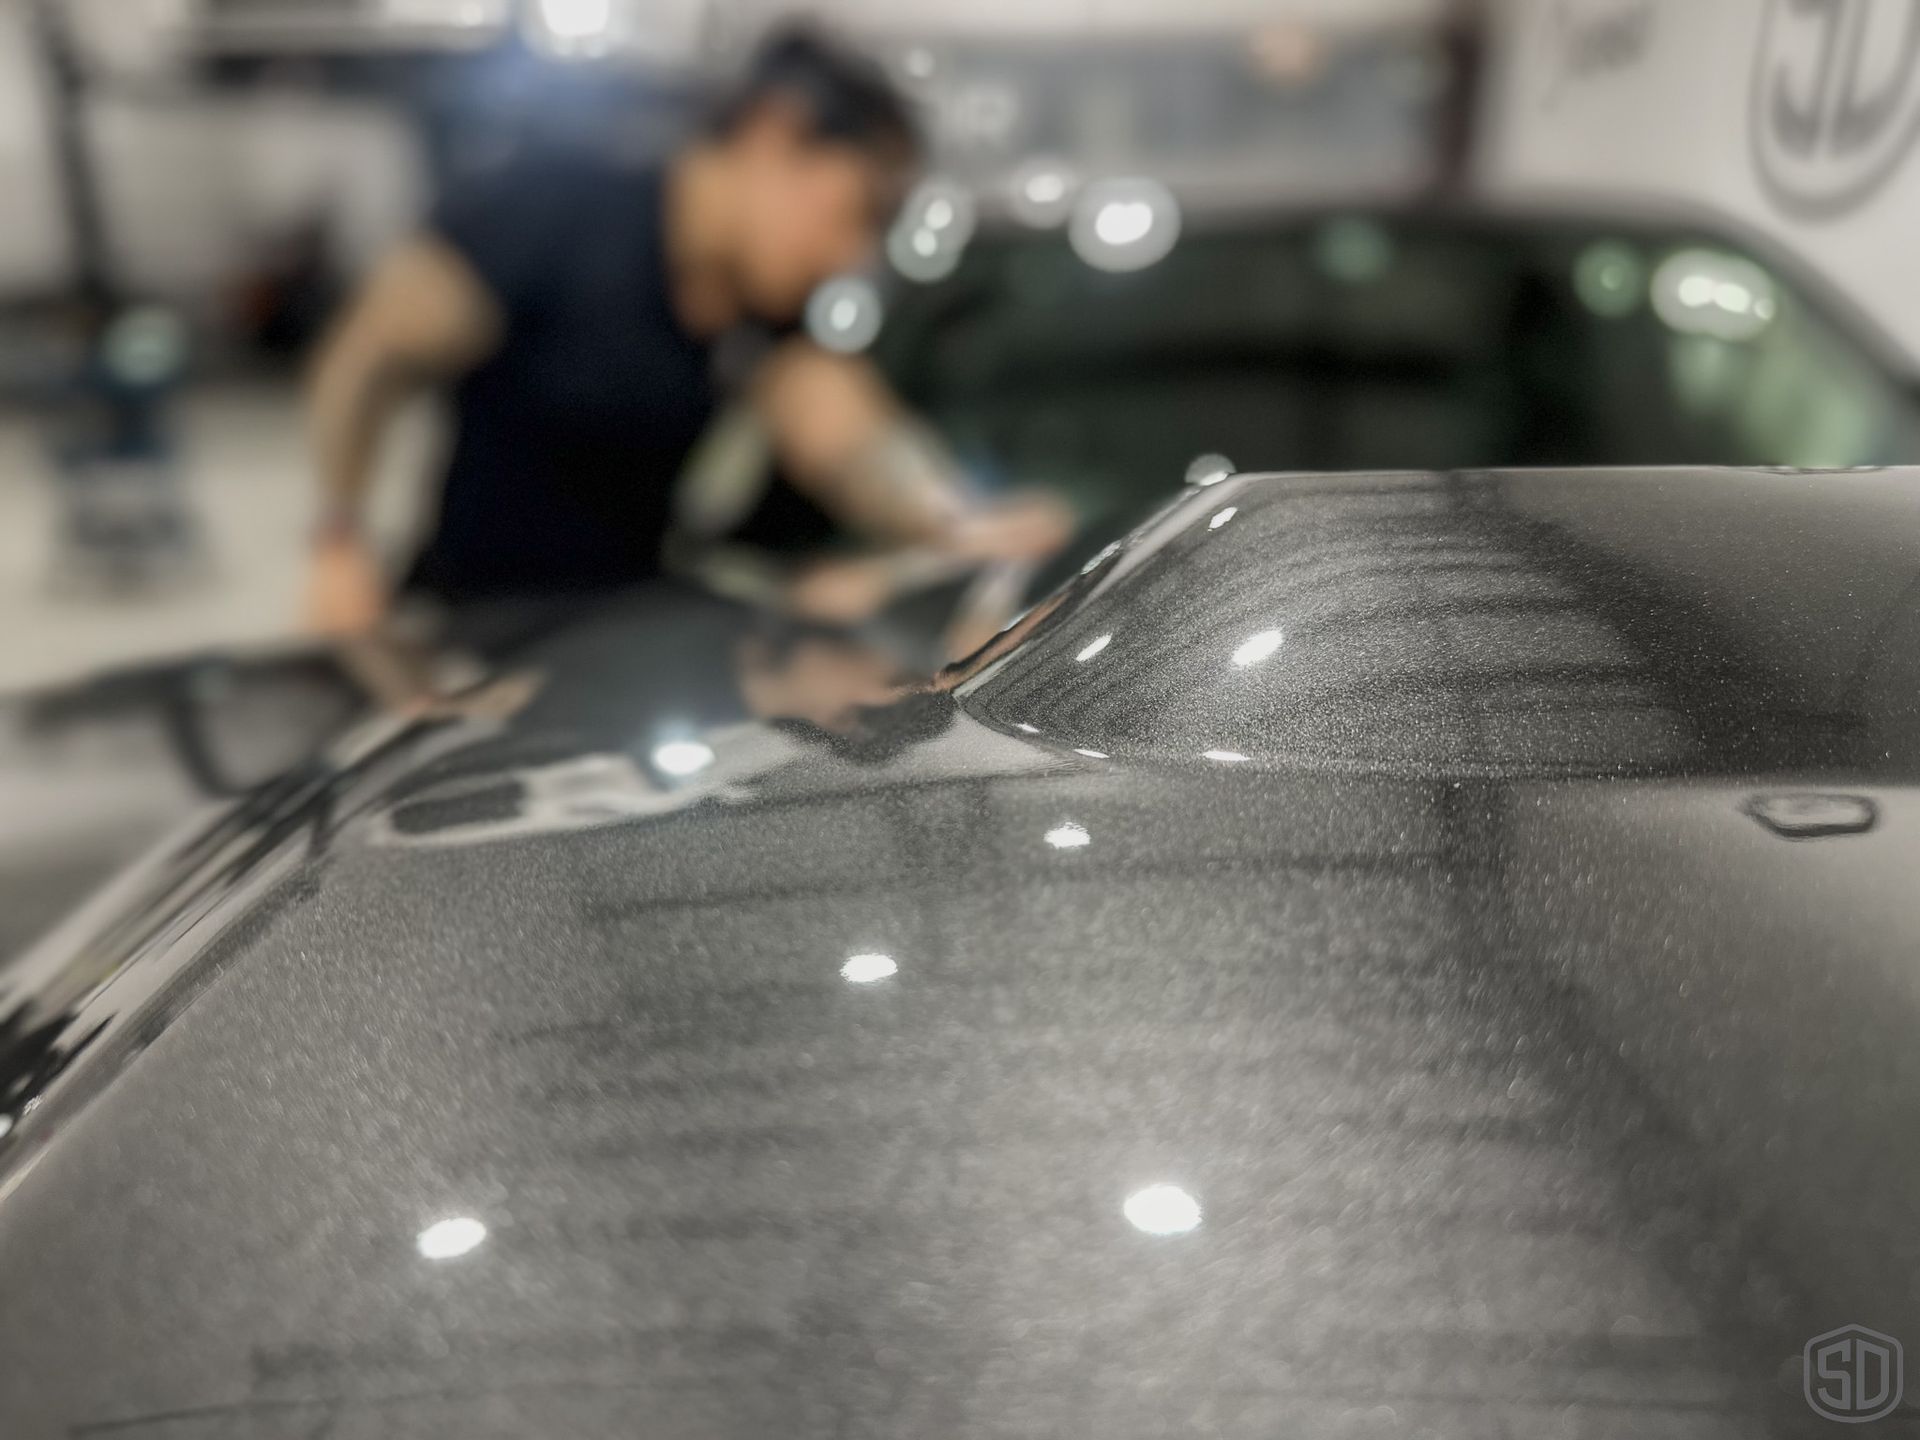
[(1022, 530), (346, 593), (1029, 526)]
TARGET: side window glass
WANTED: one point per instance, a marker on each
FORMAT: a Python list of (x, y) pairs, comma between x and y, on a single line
[(1776, 383)]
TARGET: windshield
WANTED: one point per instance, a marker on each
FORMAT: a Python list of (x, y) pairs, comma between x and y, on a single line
[(1361, 342)]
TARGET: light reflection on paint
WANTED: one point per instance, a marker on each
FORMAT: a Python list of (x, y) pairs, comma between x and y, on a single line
[(1256, 648), (865, 969), (450, 1239), (1209, 469), (1162, 1210)]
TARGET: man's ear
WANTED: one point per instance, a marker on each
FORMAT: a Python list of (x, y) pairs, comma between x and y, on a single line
[(775, 125)]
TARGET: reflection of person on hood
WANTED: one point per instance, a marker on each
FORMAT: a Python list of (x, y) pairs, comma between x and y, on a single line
[(818, 678), (574, 308), (714, 706)]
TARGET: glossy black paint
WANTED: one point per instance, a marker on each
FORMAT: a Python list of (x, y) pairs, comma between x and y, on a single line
[(1488, 895)]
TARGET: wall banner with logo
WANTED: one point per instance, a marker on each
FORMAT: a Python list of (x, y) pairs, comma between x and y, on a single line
[(1799, 118)]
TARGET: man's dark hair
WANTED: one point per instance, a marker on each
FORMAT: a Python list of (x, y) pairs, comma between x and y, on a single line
[(846, 94)]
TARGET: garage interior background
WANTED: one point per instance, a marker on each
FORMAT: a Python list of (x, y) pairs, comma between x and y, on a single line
[(247, 157)]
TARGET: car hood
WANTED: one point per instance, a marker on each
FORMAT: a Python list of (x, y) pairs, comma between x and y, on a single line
[(1374, 954)]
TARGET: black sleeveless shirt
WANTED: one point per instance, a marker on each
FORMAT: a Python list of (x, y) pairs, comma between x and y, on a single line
[(567, 441)]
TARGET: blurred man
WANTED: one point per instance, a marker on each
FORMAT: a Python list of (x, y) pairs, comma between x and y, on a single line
[(576, 306)]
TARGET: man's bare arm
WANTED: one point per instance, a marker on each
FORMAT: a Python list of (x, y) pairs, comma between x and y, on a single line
[(849, 445), (423, 314), (846, 443)]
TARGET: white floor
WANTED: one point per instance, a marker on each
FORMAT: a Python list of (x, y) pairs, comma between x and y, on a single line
[(247, 473)]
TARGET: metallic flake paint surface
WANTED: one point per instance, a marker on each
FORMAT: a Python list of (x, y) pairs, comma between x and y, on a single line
[(1526, 1082)]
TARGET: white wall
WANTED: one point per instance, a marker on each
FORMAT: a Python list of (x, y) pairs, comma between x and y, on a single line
[(1692, 101), (189, 181), (189, 187), (33, 237)]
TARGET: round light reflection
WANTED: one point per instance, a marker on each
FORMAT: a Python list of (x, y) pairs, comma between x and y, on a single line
[(1706, 292), (1124, 225), (1162, 1210), (1208, 469), (845, 314), (1040, 193), (919, 253), (933, 229), (1121, 223), (682, 757), (450, 1239), (1069, 837), (1610, 279), (865, 969)]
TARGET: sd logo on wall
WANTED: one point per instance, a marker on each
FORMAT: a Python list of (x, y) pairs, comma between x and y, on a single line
[(1836, 101)]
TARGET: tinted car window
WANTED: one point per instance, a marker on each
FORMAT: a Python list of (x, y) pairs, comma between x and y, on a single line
[(1363, 343)]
